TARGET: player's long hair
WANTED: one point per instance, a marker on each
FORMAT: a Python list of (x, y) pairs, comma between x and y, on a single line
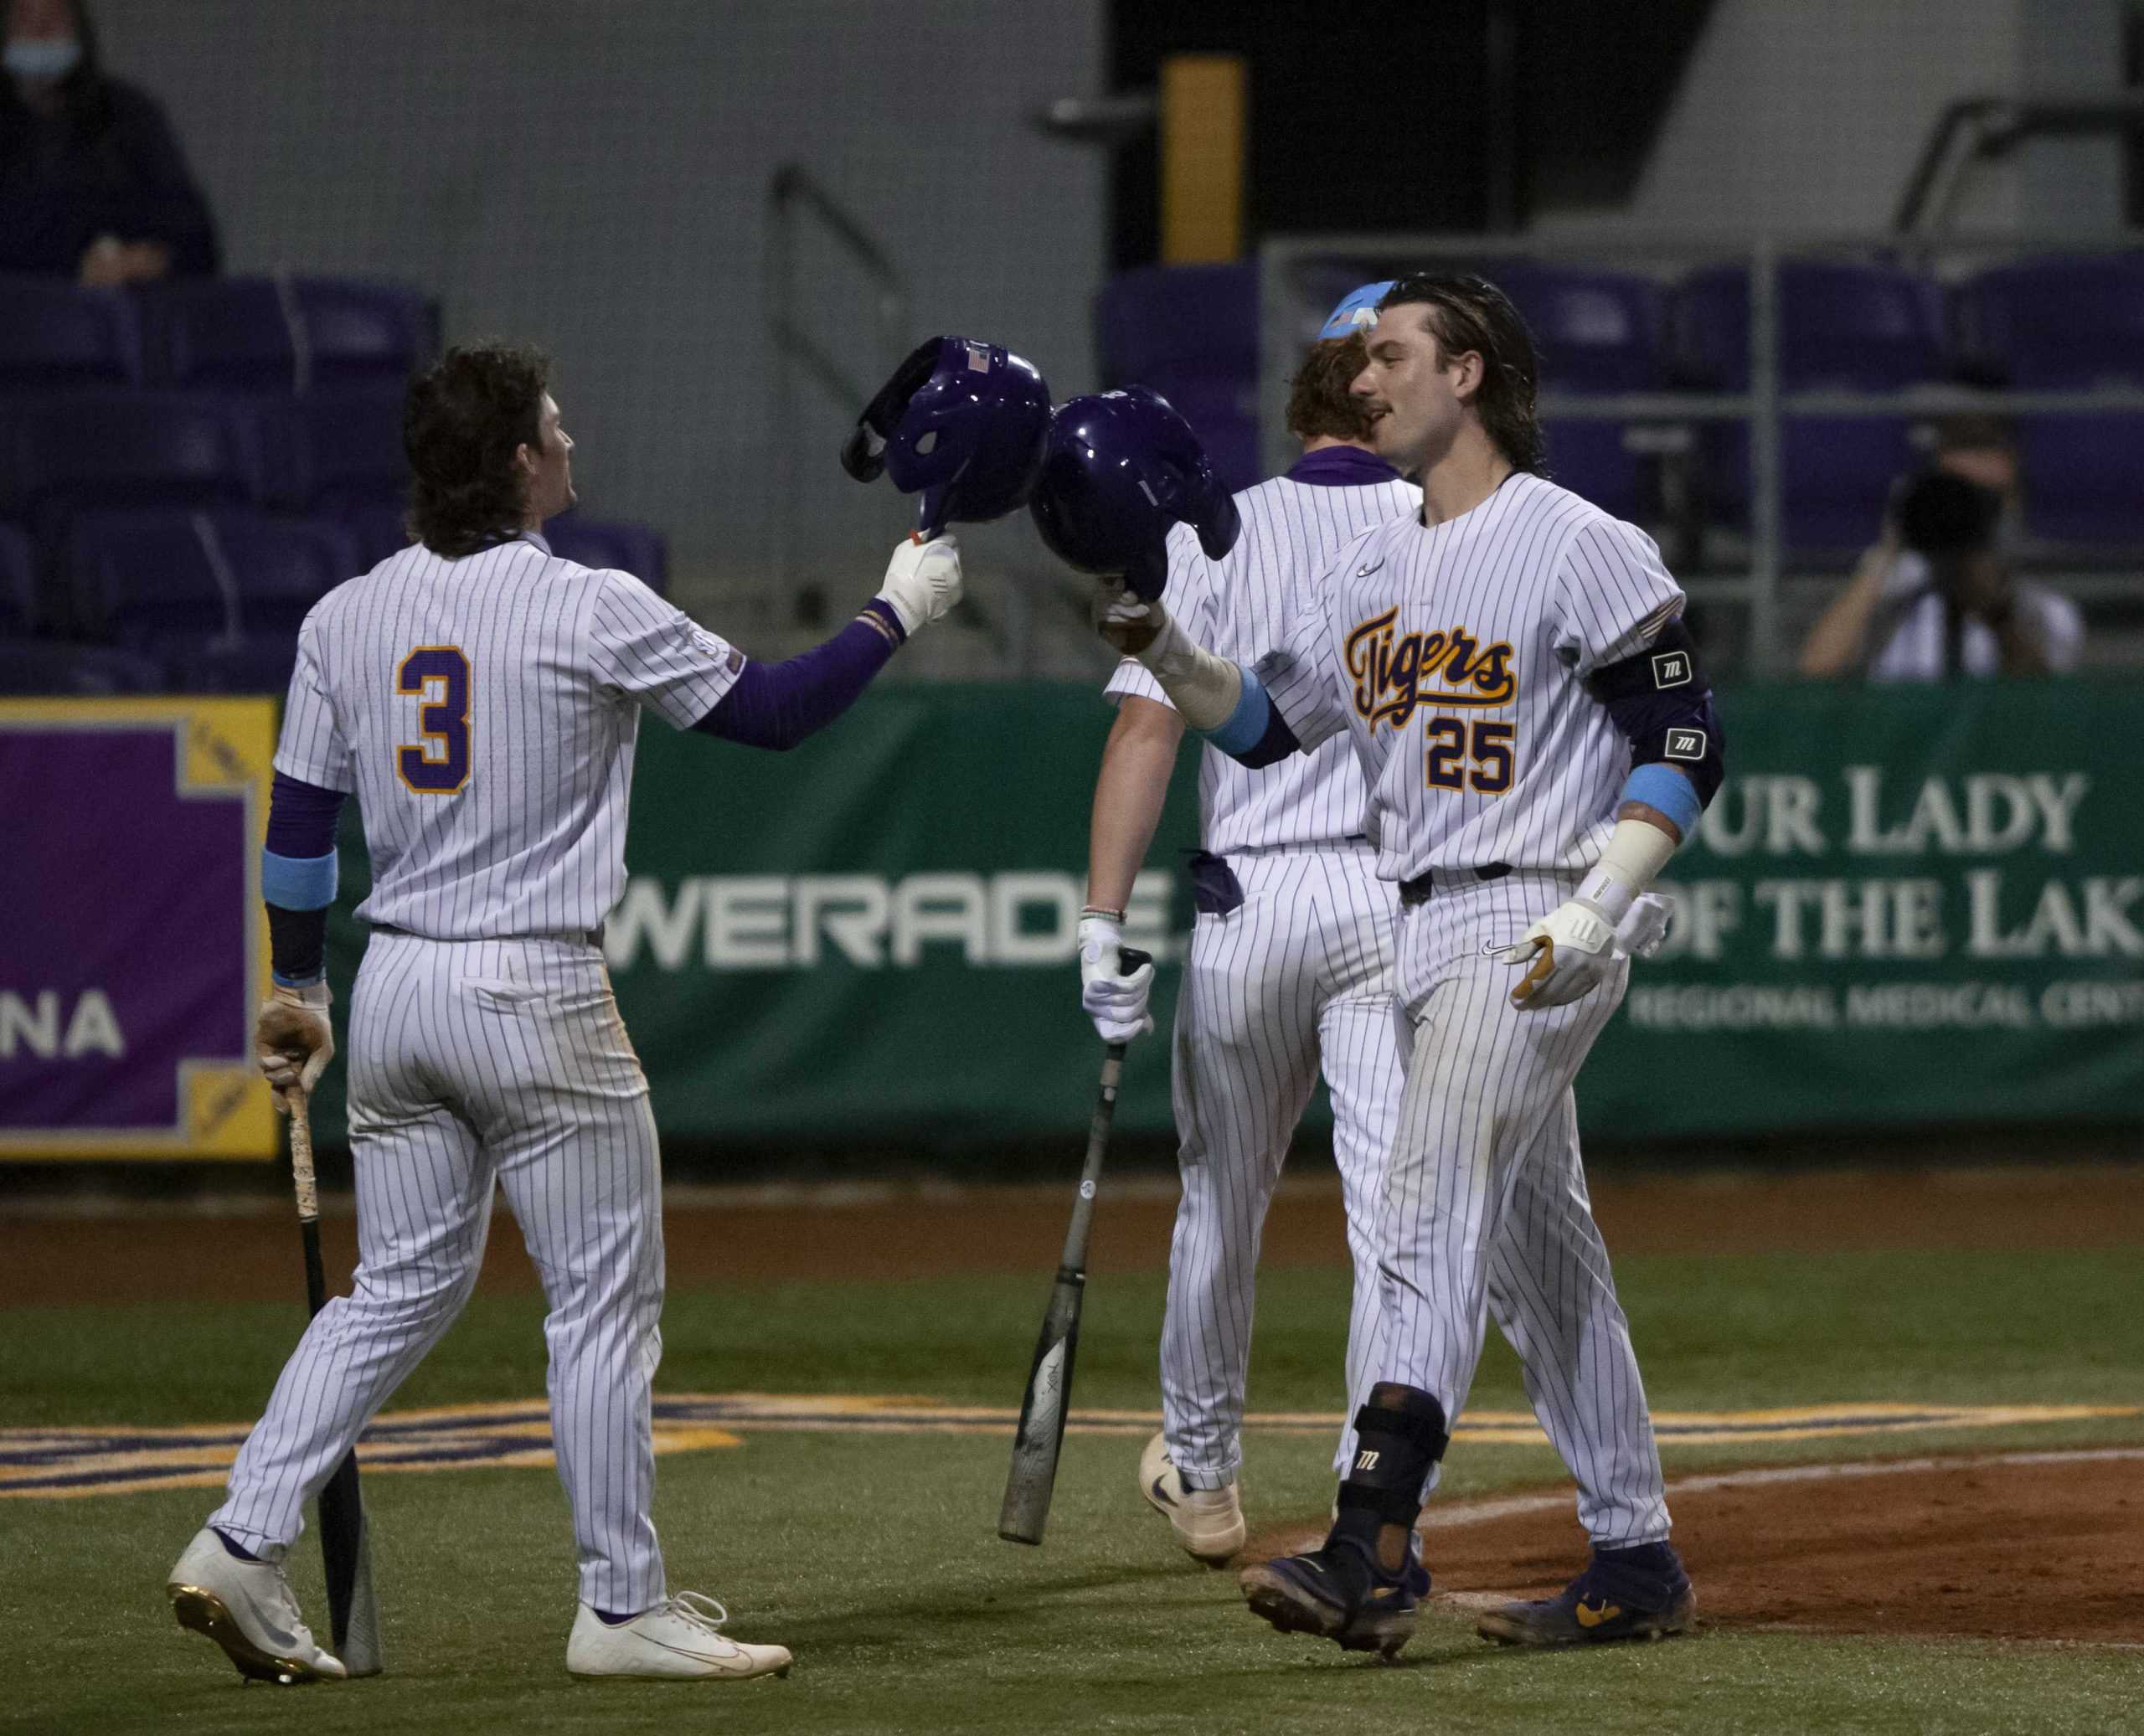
[(1319, 402), (463, 419), (1472, 313)]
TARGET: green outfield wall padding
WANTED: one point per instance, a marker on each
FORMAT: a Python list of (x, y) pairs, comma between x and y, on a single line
[(1907, 906)]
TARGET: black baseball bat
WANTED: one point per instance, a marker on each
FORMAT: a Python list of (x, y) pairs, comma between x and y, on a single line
[(1048, 1399), (345, 1541)]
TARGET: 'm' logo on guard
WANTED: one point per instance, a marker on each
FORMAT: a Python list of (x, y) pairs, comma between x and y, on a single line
[(1671, 669), (1685, 744)]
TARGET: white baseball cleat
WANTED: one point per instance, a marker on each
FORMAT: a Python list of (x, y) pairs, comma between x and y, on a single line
[(246, 1608), (681, 1639), (1207, 1523)]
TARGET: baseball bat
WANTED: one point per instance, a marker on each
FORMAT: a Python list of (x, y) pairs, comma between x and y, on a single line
[(1048, 1399), (345, 1540)]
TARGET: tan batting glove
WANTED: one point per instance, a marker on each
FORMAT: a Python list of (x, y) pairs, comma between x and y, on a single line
[(293, 1039), (923, 581)]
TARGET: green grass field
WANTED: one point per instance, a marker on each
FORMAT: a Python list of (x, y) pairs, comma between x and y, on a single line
[(875, 1558)]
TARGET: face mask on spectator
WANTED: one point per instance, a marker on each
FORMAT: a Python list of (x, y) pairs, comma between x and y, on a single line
[(42, 57)]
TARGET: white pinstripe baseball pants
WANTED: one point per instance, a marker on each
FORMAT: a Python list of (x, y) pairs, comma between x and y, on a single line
[(472, 1062), (1296, 979), (1485, 1212)]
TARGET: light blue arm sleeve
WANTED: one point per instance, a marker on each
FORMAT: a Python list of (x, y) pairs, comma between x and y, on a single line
[(1662, 787), (1246, 724)]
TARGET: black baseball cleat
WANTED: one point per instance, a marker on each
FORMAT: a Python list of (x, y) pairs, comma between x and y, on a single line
[(1337, 1593), (1635, 1594)]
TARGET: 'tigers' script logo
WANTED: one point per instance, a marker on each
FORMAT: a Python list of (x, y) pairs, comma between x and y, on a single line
[(1685, 744)]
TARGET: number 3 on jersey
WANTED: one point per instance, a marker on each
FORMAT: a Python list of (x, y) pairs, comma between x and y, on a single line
[(438, 674), (1484, 740)]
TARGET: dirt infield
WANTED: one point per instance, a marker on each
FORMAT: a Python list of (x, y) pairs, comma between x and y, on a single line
[(2014, 1547), (878, 1233)]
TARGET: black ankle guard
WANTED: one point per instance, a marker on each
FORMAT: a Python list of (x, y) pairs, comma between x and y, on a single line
[(1395, 1446)]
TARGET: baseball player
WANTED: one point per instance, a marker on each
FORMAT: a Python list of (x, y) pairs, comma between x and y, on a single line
[(1290, 968), (1511, 667), (481, 697)]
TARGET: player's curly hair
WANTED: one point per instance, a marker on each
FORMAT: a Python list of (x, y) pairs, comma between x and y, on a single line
[(461, 422), (1472, 313), (1319, 402)]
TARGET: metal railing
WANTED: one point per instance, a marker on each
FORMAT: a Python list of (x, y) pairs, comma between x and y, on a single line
[(1286, 320), (793, 195)]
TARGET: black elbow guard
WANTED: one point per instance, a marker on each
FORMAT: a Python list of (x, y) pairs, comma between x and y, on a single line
[(1661, 700)]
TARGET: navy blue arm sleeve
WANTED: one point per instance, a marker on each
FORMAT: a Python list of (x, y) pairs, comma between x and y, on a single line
[(1274, 745), (777, 705), (1662, 702), (298, 876)]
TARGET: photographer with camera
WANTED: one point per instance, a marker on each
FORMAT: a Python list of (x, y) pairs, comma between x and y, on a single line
[(1934, 599)]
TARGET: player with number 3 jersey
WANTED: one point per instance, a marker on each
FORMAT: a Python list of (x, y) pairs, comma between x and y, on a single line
[(1510, 665), (481, 697)]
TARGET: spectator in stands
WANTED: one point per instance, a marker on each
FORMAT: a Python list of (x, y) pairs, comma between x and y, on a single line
[(92, 180), (1934, 599)]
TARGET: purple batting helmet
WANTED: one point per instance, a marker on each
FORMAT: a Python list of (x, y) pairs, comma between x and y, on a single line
[(961, 423), (1120, 468)]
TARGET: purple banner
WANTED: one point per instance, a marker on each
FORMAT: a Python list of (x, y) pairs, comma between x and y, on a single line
[(129, 952)]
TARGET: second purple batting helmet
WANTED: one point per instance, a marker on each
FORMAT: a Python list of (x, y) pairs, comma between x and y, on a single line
[(1120, 468), (960, 423)]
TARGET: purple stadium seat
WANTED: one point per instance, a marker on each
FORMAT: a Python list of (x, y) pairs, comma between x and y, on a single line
[(1840, 325), (616, 544), (298, 334), (17, 582), (146, 578), (143, 574), (2056, 322), (241, 666), (55, 333), (337, 451), (1596, 331), (41, 667), (2083, 477), (1870, 328), (366, 332), (135, 449)]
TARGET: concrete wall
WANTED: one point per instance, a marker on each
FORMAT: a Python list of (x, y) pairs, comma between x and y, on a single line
[(593, 176), (1808, 115)]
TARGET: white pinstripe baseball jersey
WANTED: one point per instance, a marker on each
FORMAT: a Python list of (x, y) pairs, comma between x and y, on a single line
[(1234, 607), (1454, 655), (485, 710)]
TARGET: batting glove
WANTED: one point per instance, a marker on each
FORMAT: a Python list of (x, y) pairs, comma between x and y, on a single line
[(1116, 1002), (1127, 620), (293, 1039), (923, 581), (1573, 949)]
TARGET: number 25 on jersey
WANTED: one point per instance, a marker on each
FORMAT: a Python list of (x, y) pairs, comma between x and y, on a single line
[(438, 675), (1485, 741)]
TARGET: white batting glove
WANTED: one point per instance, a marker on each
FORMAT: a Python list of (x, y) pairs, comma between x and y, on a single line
[(1573, 947), (293, 1040), (1115, 1002), (923, 581)]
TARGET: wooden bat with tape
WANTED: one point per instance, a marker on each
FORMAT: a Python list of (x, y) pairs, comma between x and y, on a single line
[(345, 1542), (1049, 1396)]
